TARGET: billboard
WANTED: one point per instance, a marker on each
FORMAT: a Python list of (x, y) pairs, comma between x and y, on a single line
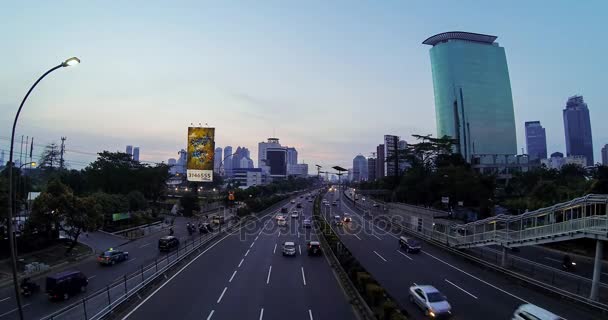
[(201, 148)]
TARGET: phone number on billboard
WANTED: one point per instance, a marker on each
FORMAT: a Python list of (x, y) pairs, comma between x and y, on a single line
[(204, 176)]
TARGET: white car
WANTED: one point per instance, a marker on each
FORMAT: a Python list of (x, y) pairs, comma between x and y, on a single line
[(346, 217), (295, 214), (279, 217), (430, 300), (289, 248), (281, 221), (293, 201), (530, 311)]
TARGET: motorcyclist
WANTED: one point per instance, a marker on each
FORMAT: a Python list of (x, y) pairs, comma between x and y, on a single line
[(171, 231)]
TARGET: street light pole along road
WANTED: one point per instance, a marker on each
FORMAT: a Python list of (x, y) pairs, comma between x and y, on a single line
[(69, 62)]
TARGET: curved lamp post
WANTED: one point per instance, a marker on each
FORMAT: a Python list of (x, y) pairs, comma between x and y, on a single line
[(69, 62)]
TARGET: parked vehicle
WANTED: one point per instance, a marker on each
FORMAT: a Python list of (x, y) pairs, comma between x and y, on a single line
[(64, 284), (530, 311), (111, 257), (410, 245), (431, 301), (168, 243)]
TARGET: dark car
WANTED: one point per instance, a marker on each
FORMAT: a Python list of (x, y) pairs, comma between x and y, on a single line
[(299, 206), (111, 257), (410, 245), (284, 210), (64, 284), (168, 243), (313, 248)]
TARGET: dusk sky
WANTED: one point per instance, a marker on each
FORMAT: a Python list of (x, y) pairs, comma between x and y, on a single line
[(327, 77)]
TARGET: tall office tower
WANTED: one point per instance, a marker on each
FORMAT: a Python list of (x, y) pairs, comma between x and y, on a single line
[(262, 146), (136, 154), (380, 173), (227, 161), (391, 157), (371, 169), (473, 100), (129, 150), (536, 140), (359, 168), (604, 155), (217, 159), (292, 155), (577, 127)]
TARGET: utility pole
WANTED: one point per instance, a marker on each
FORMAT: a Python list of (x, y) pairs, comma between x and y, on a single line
[(62, 150)]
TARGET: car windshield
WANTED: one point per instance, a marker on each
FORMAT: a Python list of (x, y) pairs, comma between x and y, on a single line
[(435, 297)]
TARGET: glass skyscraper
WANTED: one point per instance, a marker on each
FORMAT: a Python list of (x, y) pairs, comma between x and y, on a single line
[(536, 140), (473, 101), (577, 127)]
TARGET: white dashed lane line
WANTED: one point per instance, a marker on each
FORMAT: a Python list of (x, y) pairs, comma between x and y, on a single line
[(268, 277), (233, 274), (448, 281), (379, 256), (210, 314), (240, 263), (222, 295), (405, 255), (356, 236)]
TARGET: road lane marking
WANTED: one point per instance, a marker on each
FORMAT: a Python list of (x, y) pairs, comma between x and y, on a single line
[(222, 295), (256, 238), (246, 253), (373, 235), (173, 276), (210, 314), (145, 245), (356, 236), (233, 274), (131, 259), (279, 234), (310, 314), (448, 281), (5, 299), (261, 314), (381, 257), (303, 277), (268, 277), (405, 255), (11, 311), (556, 260), (300, 248), (275, 249), (476, 278), (89, 278), (240, 263), (251, 244)]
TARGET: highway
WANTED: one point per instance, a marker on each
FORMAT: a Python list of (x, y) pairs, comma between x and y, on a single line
[(473, 292), (245, 276), (141, 252)]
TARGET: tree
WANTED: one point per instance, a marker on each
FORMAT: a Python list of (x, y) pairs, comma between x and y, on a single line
[(137, 201), (189, 203), (50, 157), (58, 208)]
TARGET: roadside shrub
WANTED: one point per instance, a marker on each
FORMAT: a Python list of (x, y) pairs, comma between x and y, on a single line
[(362, 279), (388, 309), (374, 294)]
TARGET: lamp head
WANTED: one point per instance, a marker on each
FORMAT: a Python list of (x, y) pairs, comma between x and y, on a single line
[(71, 62)]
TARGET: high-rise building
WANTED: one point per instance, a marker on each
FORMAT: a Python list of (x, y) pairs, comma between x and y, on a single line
[(2, 158), (604, 155), (536, 140), (359, 168), (380, 173), (262, 146), (227, 161), (403, 164), (391, 157), (276, 161), (292, 155), (136, 154), (217, 159), (577, 127), (171, 162), (181, 162), (298, 169), (473, 100), (129, 150), (371, 169)]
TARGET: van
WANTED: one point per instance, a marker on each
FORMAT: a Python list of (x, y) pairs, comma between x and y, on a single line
[(168, 243), (64, 284), (532, 312)]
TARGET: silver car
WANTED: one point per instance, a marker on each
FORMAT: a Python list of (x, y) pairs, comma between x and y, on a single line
[(431, 301), (289, 248)]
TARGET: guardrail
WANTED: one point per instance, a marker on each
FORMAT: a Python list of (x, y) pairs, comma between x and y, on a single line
[(551, 282)]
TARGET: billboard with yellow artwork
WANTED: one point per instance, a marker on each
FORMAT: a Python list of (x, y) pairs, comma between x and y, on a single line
[(201, 147)]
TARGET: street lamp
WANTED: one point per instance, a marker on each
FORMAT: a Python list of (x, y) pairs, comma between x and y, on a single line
[(69, 62)]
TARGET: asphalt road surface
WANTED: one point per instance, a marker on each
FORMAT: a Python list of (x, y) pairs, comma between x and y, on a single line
[(245, 276), (473, 292)]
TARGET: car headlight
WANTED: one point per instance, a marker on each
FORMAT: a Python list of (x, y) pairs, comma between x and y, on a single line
[(431, 313)]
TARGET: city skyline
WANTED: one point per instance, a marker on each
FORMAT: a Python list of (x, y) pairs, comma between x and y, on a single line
[(95, 103)]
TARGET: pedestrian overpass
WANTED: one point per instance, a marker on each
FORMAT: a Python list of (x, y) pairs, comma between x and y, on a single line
[(584, 217)]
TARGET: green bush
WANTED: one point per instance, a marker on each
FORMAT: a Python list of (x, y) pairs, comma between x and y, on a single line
[(362, 279), (397, 316), (374, 294), (388, 309)]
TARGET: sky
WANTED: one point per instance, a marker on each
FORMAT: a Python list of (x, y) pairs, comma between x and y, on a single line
[(327, 77)]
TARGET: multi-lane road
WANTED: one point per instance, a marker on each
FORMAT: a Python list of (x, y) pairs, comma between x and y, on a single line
[(141, 252), (473, 292), (245, 276)]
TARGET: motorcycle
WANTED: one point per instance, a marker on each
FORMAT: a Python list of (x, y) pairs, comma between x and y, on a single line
[(568, 264), (28, 287)]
